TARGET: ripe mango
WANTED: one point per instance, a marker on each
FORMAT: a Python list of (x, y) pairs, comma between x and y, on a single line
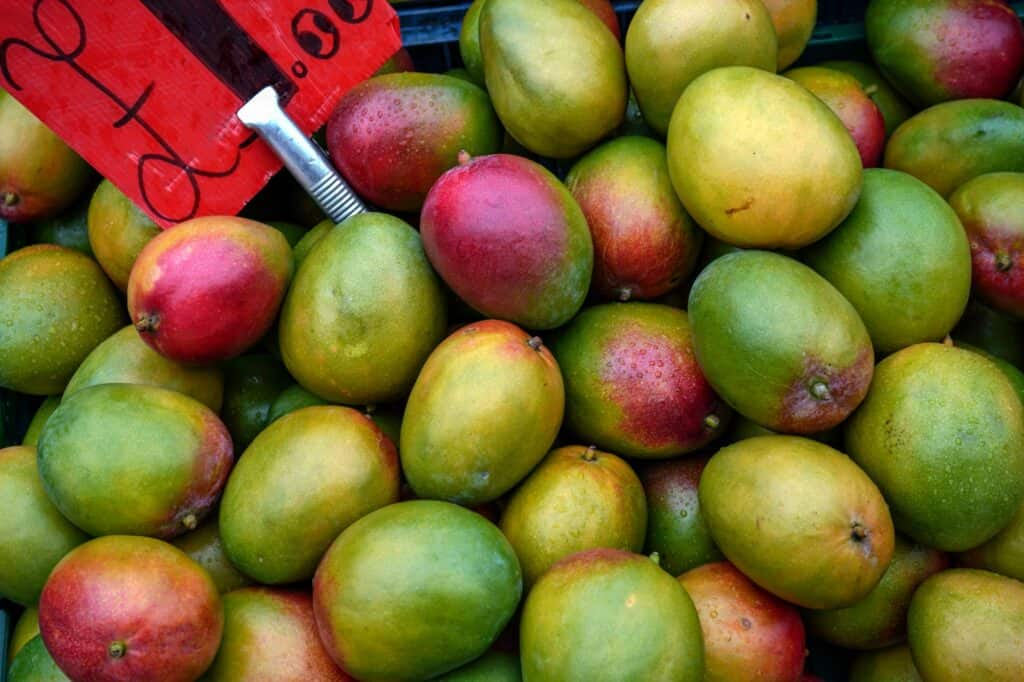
[(118, 230)]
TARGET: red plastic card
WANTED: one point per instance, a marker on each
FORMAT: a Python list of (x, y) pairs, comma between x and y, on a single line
[(146, 90)]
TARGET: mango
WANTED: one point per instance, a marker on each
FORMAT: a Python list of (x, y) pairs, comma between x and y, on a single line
[(270, 636), (347, 334), (966, 624), (942, 434), (953, 142), (671, 42), (577, 498), (645, 244), (251, 385), (509, 239), (794, 22), (204, 546), (901, 258), (633, 384), (938, 50), (778, 342), (36, 664), (301, 482), (293, 398), (39, 419), (56, 305), (777, 168), (399, 62), (125, 358), (25, 629), (69, 229), (1015, 376), (393, 136), (484, 411), (749, 634), (494, 666), (469, 42), (118, 230), (555, 73), (894, 108), (106, 614), (40, 173), (129, 458), (996, 332), (880, 619), (645, 622), (33, 534), (191, 308), (441, 606), (894, 664), (799, 518), (314, 235)]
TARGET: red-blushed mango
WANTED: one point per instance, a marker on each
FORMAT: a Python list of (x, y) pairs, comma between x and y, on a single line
[(577, 498), (203, 546), (950, 143), (555, 74), (644, 243), (484, 411), (632, 382), (399, 62), (671, 42), (606, 615), (778, 342), (749, 634), (270, 636), (35, 665), (966, 624), (393, 136), (894, 664), (56, 305), (895, 109), (605, 11), (25, 629), (942, 434), (125, 358), (938, 50), (134, 459), (676, 528), (305, 478), (880, 619), (799, 518), (118, 230), (758, 161), (40, 174), (33, 534), (794, 22), (847, 99), (122, 608), (509, 239), (210, 288), (414, 590), (991, 209)]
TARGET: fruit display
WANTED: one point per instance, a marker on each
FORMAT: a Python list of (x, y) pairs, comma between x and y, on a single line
[(679, 341)]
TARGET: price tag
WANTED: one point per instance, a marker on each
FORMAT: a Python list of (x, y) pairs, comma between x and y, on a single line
[(147, 91)]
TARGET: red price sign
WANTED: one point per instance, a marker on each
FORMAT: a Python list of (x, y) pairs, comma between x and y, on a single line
[(146, 90)]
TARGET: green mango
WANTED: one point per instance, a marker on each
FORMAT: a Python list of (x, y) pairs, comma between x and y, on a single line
[(42, 414), (24, 630), (993, 331), (894, 664), (309, 240), (301, 482), (33, 534), (494, 666), (35, 664), (134, 459), (555, 73), (69, 229), (1004, 553), (292, 233), (469, 42), (456, 443), (1015, 376), (350, 335), (125, 358), (953, 142), (204, 546), (901, 258), (118, 229), (251, 385), (895, 109), (293, 398)]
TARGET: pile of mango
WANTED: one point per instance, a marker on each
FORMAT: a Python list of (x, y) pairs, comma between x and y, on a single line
[(657, 358)]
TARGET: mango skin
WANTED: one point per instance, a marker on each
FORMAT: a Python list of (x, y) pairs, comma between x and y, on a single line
[(382, 619), (794, 22), (993, 331), (484, 411), (769, 332), (880, 619), (827, 551), (25, 629), (577, 498), (942, 434), (555, 73), (901, 258), (645, 621), (293, 398), (301, 482), (69, 229), (494, 666), (100, 477), (33, 534), (56, 305), (777, 168), (469, 42), (950, 143), (894, 664), (124, 358), (39, 419), (393, 136), (203, 546), (895, 109), (118, 230), (966, 624), (35, 664), (251, 384), (671, 42), (347, 334)]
